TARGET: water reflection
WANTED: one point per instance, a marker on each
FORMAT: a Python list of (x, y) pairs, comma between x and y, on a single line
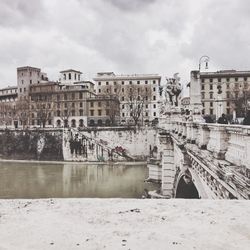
[(32, 180)]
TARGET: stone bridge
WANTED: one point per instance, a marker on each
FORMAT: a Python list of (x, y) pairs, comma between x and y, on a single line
[(200, 160)]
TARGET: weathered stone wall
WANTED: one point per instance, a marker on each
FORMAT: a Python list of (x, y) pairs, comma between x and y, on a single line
[(136, 142), (31, 144)]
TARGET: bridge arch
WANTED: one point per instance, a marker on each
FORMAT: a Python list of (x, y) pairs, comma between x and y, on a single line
[(185, 187)]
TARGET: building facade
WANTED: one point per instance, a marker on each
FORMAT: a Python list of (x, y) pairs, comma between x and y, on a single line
[(225, 91), (138, 95)]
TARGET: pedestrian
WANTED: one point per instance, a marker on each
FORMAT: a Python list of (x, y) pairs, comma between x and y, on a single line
[(223, 119), (246, 120)]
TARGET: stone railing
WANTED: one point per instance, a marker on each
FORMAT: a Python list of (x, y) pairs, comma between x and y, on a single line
[(225, 142)]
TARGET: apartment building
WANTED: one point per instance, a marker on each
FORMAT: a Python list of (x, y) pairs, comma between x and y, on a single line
[(138, 94), (221, 90)]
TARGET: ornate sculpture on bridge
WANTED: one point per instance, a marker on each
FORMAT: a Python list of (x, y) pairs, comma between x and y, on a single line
[(173, 89)]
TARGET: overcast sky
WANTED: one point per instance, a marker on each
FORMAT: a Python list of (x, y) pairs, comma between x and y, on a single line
[(124, 36)]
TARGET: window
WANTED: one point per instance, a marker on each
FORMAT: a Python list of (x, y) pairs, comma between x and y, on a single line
[(122, 90), (22, 82), (146, 82), (211, 86), (107, 103), (99, 90), (30, 81), (228, 111), (122, 82), (245, 79), (219, 79), (81, 112), (58, 105), (80, 104), (202, 80), (154, 89), (24, 89), (107, 111), (20, 90), (130, 82), (99, 104), (154, 106), (91, 104), (99, 112), (122, 98), (114, 83), (73, 96), (107, 83), (73, 112), (30, 73), (146, 114), (202, 87), (58, 113), (91, 112), (154, 113), (228, 85), (228, 104), (146, 106), (203, 95), (138, 82), (211, 104), (211, 95), (69, 76), (75, 76), (228, 79), (211, 80), (154, 97), (80, 95), (65, 97), (123, 114), (211, 111), (153, 81), (65, 105), (123, 106), (203, 104), (99, 83), (228, 94), (73, 104), (236, 79)]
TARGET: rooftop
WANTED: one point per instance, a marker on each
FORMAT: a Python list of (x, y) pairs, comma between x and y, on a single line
[(28, 67), (224, 73), (70, 70)]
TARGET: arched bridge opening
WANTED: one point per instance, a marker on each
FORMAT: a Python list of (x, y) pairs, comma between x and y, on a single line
[(186, 188)]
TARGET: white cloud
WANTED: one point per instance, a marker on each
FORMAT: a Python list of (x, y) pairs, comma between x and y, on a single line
[(160, 36)]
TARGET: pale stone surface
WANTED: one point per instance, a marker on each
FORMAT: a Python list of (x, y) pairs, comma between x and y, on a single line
[(124, 224)]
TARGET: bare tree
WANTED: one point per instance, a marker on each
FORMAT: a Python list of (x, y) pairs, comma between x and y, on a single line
[(6, 113), (23, 111), (135, 98), (43, 112), (240, 98)]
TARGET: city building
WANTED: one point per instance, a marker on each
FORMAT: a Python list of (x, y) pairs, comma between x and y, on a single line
[(225, 91), (71, 101), (138, 95)]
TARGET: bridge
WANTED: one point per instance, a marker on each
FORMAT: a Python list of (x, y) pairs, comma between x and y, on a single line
[(199, 160)]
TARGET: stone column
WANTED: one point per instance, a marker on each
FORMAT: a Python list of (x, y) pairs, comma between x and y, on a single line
[(168, 167), (195, 96)]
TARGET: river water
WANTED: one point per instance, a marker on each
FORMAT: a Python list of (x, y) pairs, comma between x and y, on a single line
[(69, 180)]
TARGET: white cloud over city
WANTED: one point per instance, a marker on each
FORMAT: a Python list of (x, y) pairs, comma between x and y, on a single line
[(124, 36)]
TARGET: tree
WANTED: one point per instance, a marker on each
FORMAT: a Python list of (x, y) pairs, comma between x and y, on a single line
[(111, 102), (43, 112), (23, 111), (135, 98), (240, 98), (6, 113)]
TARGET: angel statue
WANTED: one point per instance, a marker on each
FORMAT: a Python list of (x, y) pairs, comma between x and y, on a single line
[(173, 89)]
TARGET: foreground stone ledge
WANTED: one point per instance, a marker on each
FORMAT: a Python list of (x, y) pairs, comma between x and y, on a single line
[(124, 224)]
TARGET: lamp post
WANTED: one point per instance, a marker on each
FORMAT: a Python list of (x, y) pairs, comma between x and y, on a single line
[(204, 59)]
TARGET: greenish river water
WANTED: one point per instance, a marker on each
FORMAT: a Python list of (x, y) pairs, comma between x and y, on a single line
[(69, 180)]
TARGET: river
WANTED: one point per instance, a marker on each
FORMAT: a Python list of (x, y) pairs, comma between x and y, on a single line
[(69, 180)]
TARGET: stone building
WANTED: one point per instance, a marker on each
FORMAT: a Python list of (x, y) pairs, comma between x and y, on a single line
[(38, 102), (8, 98), (103, 110), (222, 90), (138, 94)]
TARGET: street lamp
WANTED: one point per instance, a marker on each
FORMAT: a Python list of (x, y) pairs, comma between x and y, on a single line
[(204, 59)]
